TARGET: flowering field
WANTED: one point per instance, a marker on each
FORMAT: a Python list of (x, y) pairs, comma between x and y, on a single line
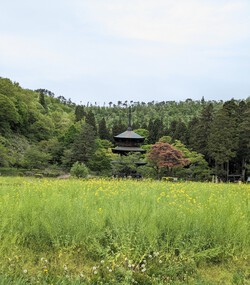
[(123, 232)]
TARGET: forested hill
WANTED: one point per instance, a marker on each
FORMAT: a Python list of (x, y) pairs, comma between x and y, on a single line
[(38, 124)]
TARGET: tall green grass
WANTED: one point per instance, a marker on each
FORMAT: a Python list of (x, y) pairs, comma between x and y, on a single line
[(171, 228)]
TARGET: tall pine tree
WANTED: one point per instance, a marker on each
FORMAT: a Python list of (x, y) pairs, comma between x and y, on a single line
[(199, 131), (223, 140), (79, 113), (244, 140), (84, 145), (90, 119), (103, 131)]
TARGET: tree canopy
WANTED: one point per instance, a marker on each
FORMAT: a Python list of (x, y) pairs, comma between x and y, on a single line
[(164, 155), (39, 121)]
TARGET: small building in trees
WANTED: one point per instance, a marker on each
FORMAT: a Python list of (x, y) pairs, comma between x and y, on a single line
[(128, 143)]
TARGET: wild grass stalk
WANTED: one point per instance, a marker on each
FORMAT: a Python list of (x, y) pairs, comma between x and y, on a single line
[(177, 224)]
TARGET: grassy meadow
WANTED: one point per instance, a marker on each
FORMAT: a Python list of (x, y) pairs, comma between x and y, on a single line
[(123, 232)]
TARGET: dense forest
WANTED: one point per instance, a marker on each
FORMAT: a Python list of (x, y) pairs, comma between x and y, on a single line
[(47, 134)]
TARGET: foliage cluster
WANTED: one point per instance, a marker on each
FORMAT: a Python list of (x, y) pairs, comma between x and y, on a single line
[(39, 130), (79, 170)]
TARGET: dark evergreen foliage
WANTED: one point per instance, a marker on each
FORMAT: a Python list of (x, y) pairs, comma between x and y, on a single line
[(103, 132), (38, 122), (84, 146), (79, 113), (156, 130), (90, 119), (224, 137), (118, 127), (42, 101), (199, 130)]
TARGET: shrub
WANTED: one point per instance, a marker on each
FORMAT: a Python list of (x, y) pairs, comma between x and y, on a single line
[(79, 170)]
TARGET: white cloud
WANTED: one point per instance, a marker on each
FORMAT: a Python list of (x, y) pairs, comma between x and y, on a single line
[(173, 21), (147, 47)]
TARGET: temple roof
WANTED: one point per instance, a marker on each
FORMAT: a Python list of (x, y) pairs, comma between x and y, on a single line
[(129, 134), (119, 149)]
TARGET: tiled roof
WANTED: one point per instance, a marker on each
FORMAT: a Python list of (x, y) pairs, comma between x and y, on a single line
[(128, 149), (129, 134)]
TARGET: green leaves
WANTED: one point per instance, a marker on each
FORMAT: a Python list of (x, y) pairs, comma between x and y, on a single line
[(8, 111), (79, 170), (223, 140)]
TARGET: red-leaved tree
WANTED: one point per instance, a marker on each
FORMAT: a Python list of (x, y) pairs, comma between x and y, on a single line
[(164, 155)]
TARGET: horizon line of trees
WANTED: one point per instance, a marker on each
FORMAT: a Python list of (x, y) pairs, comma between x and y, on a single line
[(38, 130)]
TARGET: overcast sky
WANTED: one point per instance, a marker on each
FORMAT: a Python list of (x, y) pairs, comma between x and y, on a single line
[(140, 50)]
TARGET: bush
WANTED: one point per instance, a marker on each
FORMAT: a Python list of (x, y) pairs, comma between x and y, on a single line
[(79, 170), (11, 171)]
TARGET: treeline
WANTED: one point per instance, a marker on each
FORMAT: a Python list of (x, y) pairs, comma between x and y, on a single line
[(41, 131)]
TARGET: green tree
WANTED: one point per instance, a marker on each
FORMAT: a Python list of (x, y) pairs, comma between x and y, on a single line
[(144, 133), (8, 114), (243, 152), (118, 127), (23, 112), (79, 113), (70, 135), (100, 161), (84, 145), (42, 128), (172, 128), (79, 170), (17, 146), (4, 156), (68, 158), (43, 102), (197, 168), (54, 148), (90, 119), (181, 132), (166, 139), (62, 121), (34, 158), (155, 128), (199, 130), (126, 165), (103, 130), (224, 138)]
